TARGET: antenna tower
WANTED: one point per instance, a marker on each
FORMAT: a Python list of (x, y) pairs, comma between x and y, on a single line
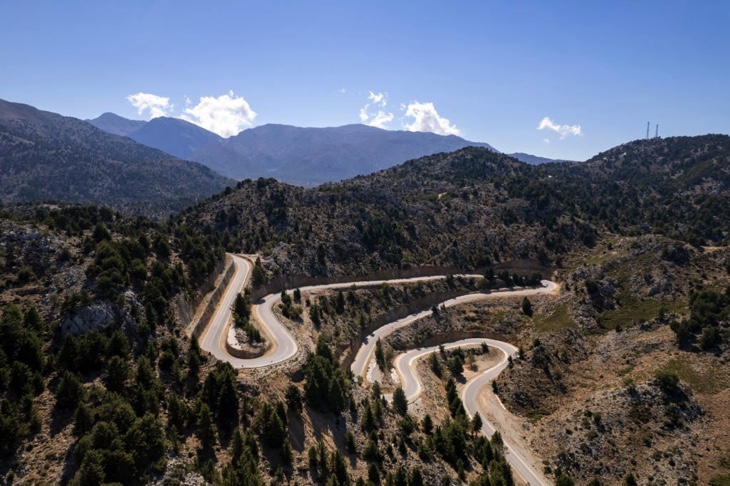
[(656, 134), (647, 129)]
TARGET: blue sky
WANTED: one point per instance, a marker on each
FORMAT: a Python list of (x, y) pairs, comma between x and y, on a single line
[(495, 70)]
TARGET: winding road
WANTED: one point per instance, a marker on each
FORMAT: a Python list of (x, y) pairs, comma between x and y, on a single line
[(283, 347), (521, 460), (364, 355)]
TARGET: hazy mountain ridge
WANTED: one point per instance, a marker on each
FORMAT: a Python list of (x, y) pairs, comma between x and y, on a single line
[(534, 159), (174, 136), (115, 124), (310, 156), (296, 155), (46, 156)]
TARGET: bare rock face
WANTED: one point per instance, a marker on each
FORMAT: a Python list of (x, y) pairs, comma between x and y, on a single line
[(95, 316)]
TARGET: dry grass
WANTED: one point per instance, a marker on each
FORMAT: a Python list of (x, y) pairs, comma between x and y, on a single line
[(557, 320)]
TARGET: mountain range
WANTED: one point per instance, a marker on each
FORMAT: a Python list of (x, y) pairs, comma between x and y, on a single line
[(620, 370), (48, 157), (296, 155)]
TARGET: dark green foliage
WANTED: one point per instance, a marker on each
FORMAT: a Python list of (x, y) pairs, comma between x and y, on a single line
[(400, 402), (476, 423), (564, 480), (527, 307), (272, 424), (456, 365), (69, 391), (145, 441), (407, 425), (327, 385), (450, 440), (435, 365), (12, 428), (205, 427), (293, 398), (117, 370), (500, 473), (91, 472), (119, 453), (19, 337), (83, 420), (668, 382), (372, 453), (146, 388), (710, 311), (194, 358), (242, 316), (118, 345), (258, 274), (339, 469), (219, 393), (350, 444), (416, 477), (427, 424), (456, 407), (369, 420), (380, 355)]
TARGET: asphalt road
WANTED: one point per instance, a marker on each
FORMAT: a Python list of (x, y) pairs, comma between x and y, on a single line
[(520, 460), (364, 354), (284, 346), (405, 365)]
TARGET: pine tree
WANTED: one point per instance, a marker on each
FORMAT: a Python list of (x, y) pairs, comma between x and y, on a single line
[(527, 307), (400, 402), (476, 423), (206, 427)]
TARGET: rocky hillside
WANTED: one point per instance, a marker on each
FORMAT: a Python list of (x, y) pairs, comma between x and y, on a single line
[(442, 210), (99, 385), (626, 373), (49, 157), (474, 207)]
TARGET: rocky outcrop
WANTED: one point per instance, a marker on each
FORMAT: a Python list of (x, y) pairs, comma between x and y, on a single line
[(92, 317), (239, 345)]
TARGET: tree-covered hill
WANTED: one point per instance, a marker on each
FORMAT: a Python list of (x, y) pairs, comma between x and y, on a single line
[(474, 207), (49, 157)]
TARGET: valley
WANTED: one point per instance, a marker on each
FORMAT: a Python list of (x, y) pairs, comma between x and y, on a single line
[(364, 244)]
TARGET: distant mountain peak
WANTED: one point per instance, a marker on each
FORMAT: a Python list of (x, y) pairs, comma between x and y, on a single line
[(534, 159), (115, 124)]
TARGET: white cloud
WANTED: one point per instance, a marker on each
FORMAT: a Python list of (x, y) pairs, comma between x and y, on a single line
[(156, 105), (379, 118), (426, 119), (379, 98), (564, 130), (546, 140), (225, 115), (342, 90)]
